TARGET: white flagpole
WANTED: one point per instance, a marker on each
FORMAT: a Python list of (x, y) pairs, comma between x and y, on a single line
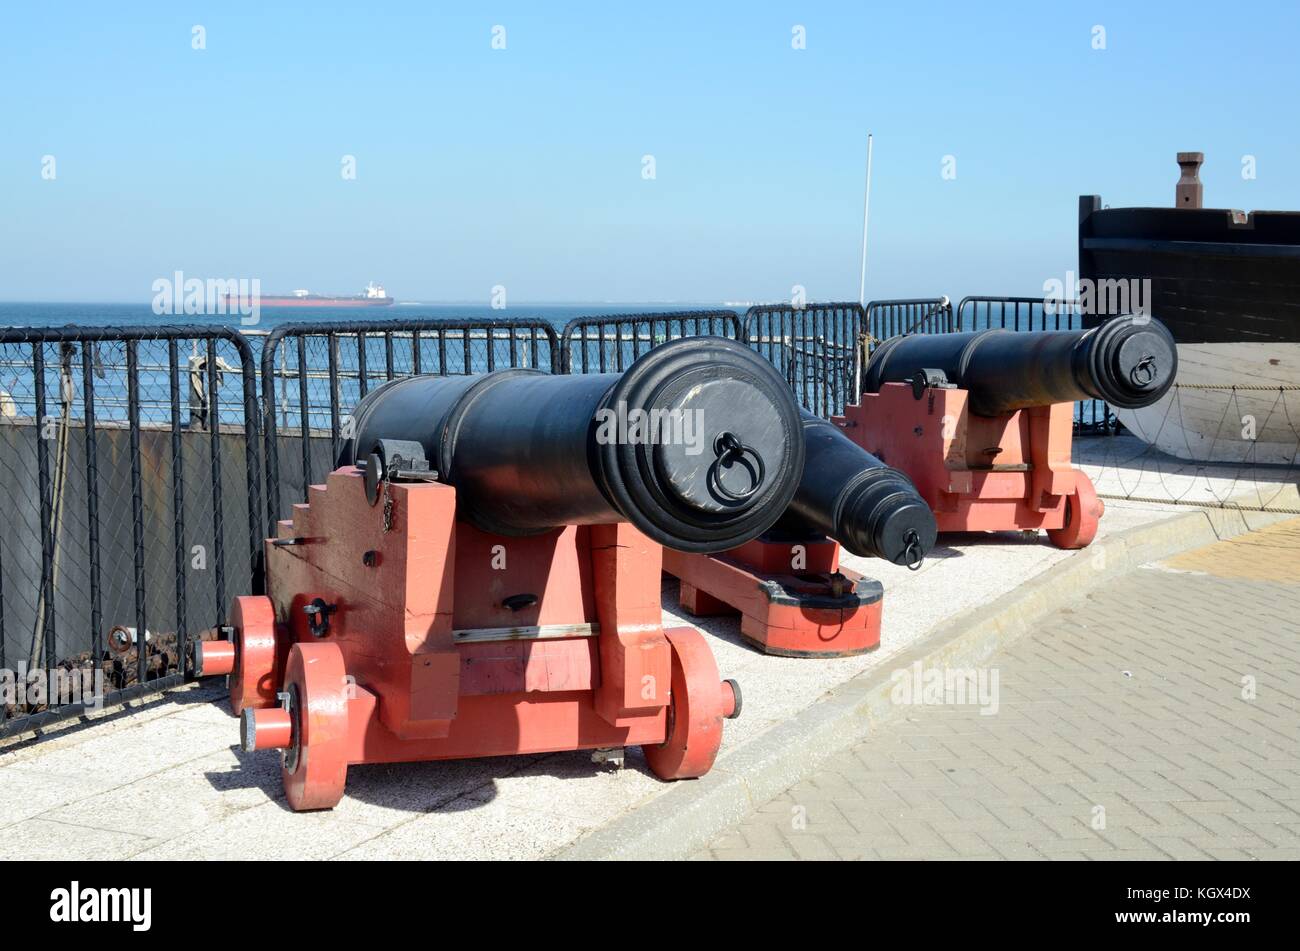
[(866, 211)]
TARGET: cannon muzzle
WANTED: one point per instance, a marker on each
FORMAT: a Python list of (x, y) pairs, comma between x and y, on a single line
[(698, 444), (853, 497), (1128, 361)]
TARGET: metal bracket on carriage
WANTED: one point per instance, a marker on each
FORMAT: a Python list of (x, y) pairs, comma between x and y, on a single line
[(395, 460), (318, 616), (927, 379)]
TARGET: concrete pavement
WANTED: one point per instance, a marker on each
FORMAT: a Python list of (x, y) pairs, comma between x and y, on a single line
[(1158, 717)]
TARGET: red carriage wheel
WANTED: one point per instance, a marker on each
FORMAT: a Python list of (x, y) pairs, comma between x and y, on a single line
[(699, 703), (1083, 511), (253, 682), (315, 766)]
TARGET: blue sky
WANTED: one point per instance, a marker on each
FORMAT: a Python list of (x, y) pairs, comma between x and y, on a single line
[(523, 167)]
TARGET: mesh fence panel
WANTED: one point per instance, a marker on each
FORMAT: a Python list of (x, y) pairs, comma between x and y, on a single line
[(133, 512), (927, 315), (815, 347), (610, 344)]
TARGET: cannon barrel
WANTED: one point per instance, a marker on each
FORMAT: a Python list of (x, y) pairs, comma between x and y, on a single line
[(698, 444), (853, 497), (1127, 361)]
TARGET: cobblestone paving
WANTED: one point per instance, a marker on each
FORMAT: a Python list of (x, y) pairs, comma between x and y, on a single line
[(1158, 718)]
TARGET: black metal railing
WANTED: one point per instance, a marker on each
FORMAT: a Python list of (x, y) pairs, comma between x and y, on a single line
[(927, 315), (1018, 313), (313, 374), (609, 343), (128, 460), (816, 347), (1037, 313)]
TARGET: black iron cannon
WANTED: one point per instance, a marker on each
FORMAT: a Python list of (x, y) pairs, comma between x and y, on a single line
[(851, 496), (698, 444), (1128, 361)]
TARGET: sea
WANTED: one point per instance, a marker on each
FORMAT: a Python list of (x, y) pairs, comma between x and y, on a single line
[(19, 314), (19, 394)]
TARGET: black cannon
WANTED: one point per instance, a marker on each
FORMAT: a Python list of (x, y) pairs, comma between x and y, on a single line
[(794, 597), (1128, 361), (851, 496), (698, 444)]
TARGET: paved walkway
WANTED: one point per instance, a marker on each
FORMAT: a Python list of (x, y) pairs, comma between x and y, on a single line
[(1158, 718)]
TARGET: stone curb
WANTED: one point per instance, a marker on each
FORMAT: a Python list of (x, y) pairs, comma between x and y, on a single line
[(688, 815)]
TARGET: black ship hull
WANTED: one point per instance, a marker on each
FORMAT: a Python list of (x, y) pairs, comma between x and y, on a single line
[(1227, 285)]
